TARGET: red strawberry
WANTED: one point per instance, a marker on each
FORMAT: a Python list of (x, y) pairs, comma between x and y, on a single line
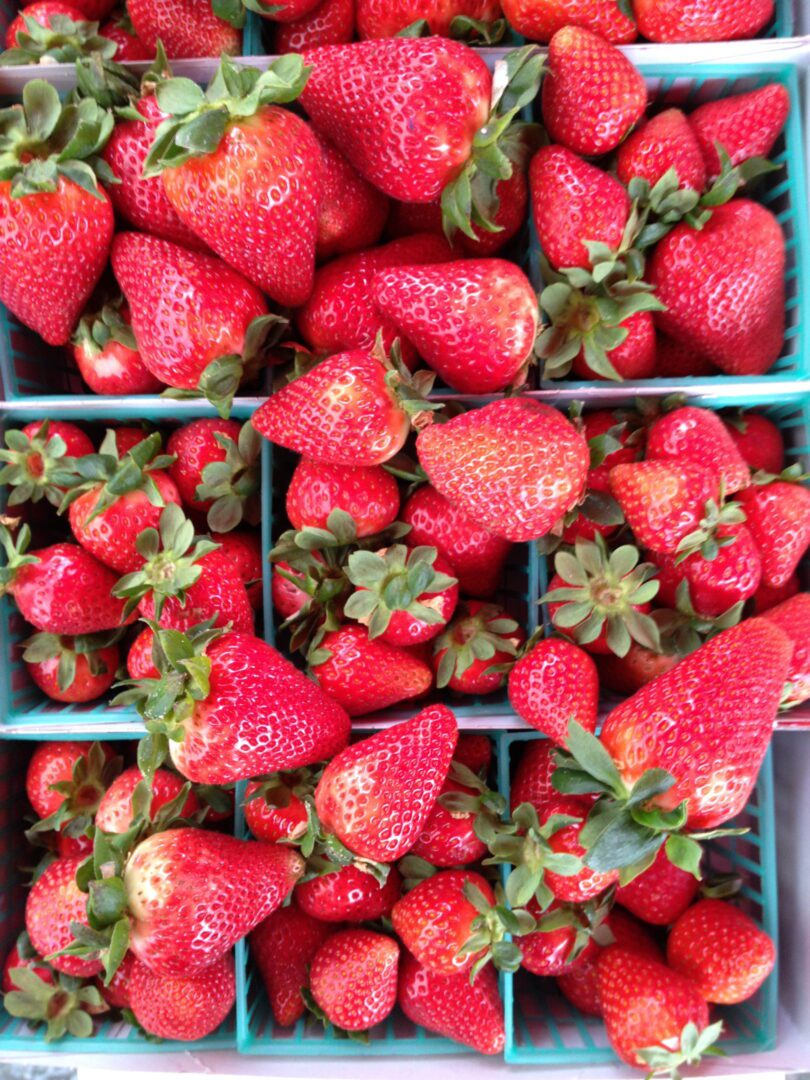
[(186, 28), (287, 11), (474, 752), (71, 669), (94, 9), (217, 470), (592, 94), (352, 212), (288, 598), (107, 355), (625, 430), (723, 287), (541, 21), (532, 780), (330, 23), (745, 125), (41, 12), (353, 978), (661, 893), (552, 683), (666, 142), (767, 597), (243, 547), (674, 359), (70, 776), (778, 516), (368, 494), (633, 358), (585, 883), (701, 20), (349, 894), (49, 31), (474, 322), (450, 837), (283, 947), (127, 438), (573, 202), (117, 993), (663, 501), (65, 1006), (274, 807), (386, 18), (139, 657), (792, 617), (481, 636), (401, 768), (514, 465), (758, 439), (39, 460), (53, 903), (25, 959), (340, 313), (115, 812), (721, 950), (186, 1007), (129, 46), (708, 721), (451, 1006), (693, 434)]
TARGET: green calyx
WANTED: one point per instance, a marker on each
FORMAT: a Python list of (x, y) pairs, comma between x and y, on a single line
[(97, 329), (171, 565), (683, 630), (16, 558), (393, 580), (36, 466), (232, 485), (410, 389), (793, 474), (41, 647), (603, 592), (278, 789), (488, 806), (91, 775), (63, 41), (705, 539), (111, 476), (462, 28), (470, 637), (42, 140), (490, 929), (197, 120), (109, 84), (693, 1045), (65, 1006), (470, 199), (586, 920)]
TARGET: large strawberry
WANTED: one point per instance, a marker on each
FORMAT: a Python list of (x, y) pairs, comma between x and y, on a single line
[(368, 493), (107, 355), (664, 501), (777, 511), (353, 979), (250, 187), (348, 893), (552, 682), (666, 142), (39, 460), (353, 212), (330, 23), (57, 221), (283, 947), (187, 28), (701, 20), (386, 18), (55, 905), (792, 617), (185, 1007), (516, 466), (745, 125)]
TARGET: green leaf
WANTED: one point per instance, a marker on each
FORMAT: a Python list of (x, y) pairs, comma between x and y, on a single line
[(593, 757), (684, 852)]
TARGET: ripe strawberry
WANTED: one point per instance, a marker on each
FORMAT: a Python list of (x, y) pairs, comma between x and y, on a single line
[(451, 1006), (552, 683), (127, 438), (474, 321), (274, 808), (369, 494), (663, 501), (220, 187), (792, 617), (574, 203), (563, 939), (288, 598), (107, 356), (699, 435), (541, 21), (585, 883), (758, 439), (57, 222), (353, 212), (592, 94), (117, 993), (767, 597), (778, 516), (721, 950), (67, 1005), (721, 278), (53, 903), (701, 20), (632, 358), (402, 768), (243, 547), (330, 23), (49, 31), (666, 142), (514, 465), (475, 752), (481, 637), (353, 978), (139, 657), (116, 812), (531, 782), (349, 894), (450, 836), (627, 430), (708, 721), (283, 947), (70, 777), (661, 893), (387, 18), (129, 46), (673, 359), (475, 554), (187, 28), (39, 460), (71, 669), (186, 1007), (340, 313), (217, 470), (94, 9), (745, 125)]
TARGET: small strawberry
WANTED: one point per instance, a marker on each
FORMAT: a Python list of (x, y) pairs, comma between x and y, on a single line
[(745, 125), (41, 13), (128, 45), (185, 1007), (117, 810), (541, 21), (450, 836), (243, 548), (632, 358), (592, 94), (469, 655), (701, 20), (552, 682), (792, 617), (564, 939), (369, 494), (353, 979), (22, 955), (758, 439), (66, 780), (474, 751), (777, 512), (661, 893), (283, 948), (693, 434), (107, 356), (187, 28), (585, 883), (39, 460), (139, 658), (348, 894), (665, 142), (274, 807), (330, 23), (721, 950), (531, 782), (54, 905), (625, 429), (71, 669), (353, 212), (216, 470), (664, 501)]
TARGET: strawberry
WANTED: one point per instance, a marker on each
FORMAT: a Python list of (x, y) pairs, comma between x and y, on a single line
[(592, 94), (243, 548), (701, 20), (515, 465), (139, 657), (71, 669), (349, 894), (450, 836), (41, 12), (94, 9), (67, 779), (663, 501), (451, 1006), (116, 811), (563, 939), (632, 358), (660, 894), (340, 313), (274, 808), (22, 955), (219, 186), (758, 439), (127, 438), (216, 470), (402, 768), (541, 21), (386, 18), (200, 325), (475, 554), (469, 655), (289, 598), (474, 752), (767, 597), (474, 322), (552, 682), (283, 947), (366, 675), (369, 494), (667, 141), (60, 589), (53, 906), (129, 46), (792, 617), (107, 356), (673, 359), (117, 993), (330, 23), (573, 204), (353, 212), (186, 1007), (253, 714), (777, 513), (39, 460), (186, 28), (353, 979), (51, 31), (721, 950), (745, 125), (693, 434), (721, 278), (531, 782), (624, 429), (57, 221), (585, 883)]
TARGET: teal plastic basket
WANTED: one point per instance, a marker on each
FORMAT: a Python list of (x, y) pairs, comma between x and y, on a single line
[(544, 1028), (110, 1037), (22, 704)]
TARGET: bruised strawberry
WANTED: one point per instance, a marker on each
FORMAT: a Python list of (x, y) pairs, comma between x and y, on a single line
[(283, 947), (349, 894), (767, 597)]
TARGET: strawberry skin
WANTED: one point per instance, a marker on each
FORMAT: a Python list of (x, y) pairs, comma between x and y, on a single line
[(139, 657), (114, 814), (666, 142), (353, 212), (674, 359), (723, 287), (547, 952), (448, 838), (745, 125), (778, 516), (187, 28), (113, 367), (792, 617), (283, 947), (699, 435), (401, 769), (53, 903), (600, 422), (130, 46), (532, 780), (660, 894), (195, 446), (330, 23), (516, 466), (353, 978), (759, 441), (386, 18), (701, 20), (715, 585), (349, 894), (708, 721), (474, 751), (553, 683), (41, 12), (541, 21), (767, 597), (186, 1007), (369, 494), (721, 950), (33, 963), (663, 501)]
